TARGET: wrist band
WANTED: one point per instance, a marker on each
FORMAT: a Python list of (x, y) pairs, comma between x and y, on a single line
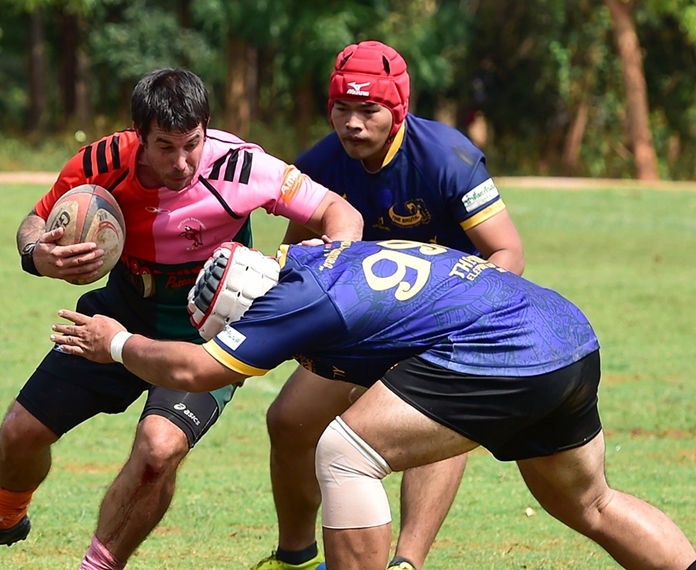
[(28, 259), (117, 343)]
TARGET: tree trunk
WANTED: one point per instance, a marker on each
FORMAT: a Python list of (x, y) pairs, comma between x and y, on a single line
[(240, 71), (183, 10), (37, 79), (637, 110), (83, 110), (68, 65), (573, 141), (446, 111)]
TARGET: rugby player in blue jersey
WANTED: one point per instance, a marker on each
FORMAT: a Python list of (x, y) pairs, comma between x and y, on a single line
[(410, 178), (455, 353)]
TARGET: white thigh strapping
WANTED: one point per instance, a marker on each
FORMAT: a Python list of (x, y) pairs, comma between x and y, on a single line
[(350, 475)]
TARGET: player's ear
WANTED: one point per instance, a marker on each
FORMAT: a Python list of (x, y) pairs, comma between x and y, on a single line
[(140, 135)]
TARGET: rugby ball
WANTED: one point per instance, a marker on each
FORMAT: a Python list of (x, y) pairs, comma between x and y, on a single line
[(90, 213)]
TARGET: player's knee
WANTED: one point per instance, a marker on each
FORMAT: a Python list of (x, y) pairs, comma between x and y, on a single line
[(279, 422), (590, 514), (159, 445), (350, 476), (290, 427), (22, 434), (299, 415)]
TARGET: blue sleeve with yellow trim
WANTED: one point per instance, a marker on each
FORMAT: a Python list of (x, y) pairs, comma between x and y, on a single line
[(295, 316), (446, 155)]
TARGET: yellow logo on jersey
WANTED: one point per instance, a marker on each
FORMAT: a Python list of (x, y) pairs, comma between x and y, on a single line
[(292, 181), (418, 214), (305, 362)]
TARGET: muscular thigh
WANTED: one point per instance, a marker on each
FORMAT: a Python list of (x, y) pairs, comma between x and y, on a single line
[(401, 434), (307, 403)]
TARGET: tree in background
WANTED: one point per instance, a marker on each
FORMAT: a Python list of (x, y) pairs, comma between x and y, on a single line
[(637, 116), (542, 80)]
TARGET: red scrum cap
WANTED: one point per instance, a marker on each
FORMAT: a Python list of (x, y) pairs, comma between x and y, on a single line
[(374, 72)]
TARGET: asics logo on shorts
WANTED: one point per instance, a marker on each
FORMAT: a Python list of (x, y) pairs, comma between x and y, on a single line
[(181, 407)]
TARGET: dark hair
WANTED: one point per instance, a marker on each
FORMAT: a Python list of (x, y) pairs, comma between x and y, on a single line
[(176, 99)]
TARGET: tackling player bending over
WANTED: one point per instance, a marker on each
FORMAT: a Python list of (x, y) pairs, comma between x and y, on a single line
[(415, 324)]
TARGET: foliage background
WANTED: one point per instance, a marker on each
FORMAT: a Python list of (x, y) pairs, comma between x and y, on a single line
[(530, 68)]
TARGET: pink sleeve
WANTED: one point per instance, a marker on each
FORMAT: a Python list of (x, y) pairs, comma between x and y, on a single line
[(281, 189)]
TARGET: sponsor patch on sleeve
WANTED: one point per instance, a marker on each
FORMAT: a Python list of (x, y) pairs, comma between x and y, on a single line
[(292, 181), (231, 337), (482, 194)]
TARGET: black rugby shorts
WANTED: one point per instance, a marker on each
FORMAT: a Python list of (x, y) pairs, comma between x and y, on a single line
[(66, 390), (513, 417)]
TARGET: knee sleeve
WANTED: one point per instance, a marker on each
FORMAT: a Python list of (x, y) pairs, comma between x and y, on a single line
[(350, 475)]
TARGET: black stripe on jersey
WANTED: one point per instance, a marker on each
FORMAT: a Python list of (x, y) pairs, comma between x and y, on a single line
[(115, 154), (231, 165), (118, 180), (102, 165), (220, 199), (246, 168), (87, 161), (215, 170)]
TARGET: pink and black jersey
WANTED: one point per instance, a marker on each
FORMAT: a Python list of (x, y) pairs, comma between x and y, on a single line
[(170, 234)]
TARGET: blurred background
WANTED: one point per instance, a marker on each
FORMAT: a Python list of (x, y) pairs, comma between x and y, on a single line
[(587, 88)]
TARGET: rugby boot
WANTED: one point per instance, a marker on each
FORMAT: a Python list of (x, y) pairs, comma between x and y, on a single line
[(16, 533), (272, 563)]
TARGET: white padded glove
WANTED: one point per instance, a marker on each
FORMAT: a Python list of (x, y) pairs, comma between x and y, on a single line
[(227, 285)]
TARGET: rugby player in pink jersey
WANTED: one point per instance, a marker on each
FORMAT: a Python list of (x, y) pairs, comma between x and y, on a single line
[(183, 189)]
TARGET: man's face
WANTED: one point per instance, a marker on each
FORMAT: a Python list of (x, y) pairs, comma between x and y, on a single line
[(363, 129), (173, 157)]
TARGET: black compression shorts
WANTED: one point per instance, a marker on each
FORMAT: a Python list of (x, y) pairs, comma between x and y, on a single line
[(513, 417), (66, 390)]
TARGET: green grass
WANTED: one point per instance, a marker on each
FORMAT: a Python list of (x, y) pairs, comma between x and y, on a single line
[(627, 257)]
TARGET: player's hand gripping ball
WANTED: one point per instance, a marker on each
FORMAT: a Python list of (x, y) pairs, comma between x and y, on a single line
[(227, 285), (90, 213)]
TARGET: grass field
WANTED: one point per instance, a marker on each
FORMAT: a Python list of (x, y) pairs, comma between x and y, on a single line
[(627, 257)]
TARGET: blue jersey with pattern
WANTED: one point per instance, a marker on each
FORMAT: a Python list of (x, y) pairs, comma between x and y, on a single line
[(433, 186), (350, 311)]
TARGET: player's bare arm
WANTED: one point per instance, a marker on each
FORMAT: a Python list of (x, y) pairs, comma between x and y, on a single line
[(499, 242), (177, 365), (79, 261), (337, 219), (297, 233)]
